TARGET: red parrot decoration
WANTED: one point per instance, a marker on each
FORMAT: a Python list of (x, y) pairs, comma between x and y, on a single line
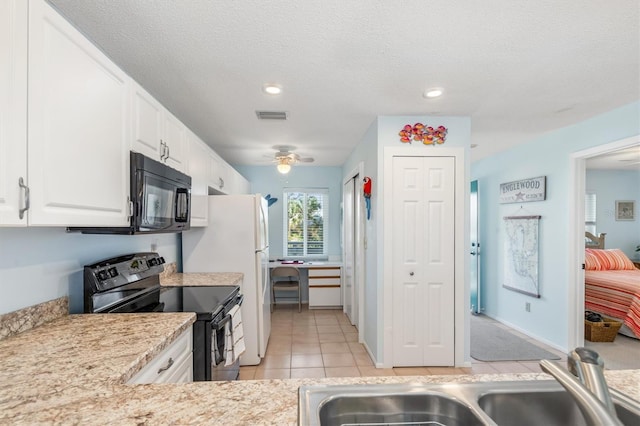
[(366, 191)]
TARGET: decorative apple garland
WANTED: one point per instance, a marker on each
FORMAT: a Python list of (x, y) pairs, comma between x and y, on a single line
[(428, 135)]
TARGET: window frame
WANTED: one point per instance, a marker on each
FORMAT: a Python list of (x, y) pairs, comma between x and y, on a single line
[(325, 223)]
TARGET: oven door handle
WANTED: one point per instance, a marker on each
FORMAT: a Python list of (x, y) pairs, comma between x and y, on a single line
[(158, 308), (218, 325), (239, 299)]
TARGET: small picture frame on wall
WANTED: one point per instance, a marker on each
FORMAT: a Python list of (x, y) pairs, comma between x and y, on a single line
[(625, 210)]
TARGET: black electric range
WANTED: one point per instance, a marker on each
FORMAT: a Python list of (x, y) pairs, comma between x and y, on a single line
[(131, 284)]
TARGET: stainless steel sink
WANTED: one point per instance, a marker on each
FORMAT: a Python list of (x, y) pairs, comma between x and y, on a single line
[(422, 408), (503, 403)]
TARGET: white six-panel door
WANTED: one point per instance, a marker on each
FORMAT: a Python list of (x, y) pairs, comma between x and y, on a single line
[(423, 261)]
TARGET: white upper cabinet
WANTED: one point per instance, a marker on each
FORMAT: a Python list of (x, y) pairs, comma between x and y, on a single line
[(218, 175), (198, 160), (175, 142), (147, 123), (13, 111), (78, 127), (157, 133)]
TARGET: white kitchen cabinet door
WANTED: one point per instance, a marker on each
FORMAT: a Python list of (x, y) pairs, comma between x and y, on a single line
[(173, 365), (423, 261), (199, 172), (236, 183), (174, 138), (13, 111), (147, 123), (243, 185), (78, 109), (218, 176)]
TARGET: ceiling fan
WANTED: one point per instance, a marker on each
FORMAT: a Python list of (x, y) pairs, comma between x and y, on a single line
[(285, 158)]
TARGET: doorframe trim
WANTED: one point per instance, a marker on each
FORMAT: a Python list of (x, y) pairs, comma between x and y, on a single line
[(461, 276), (577, 188), (359, 258)]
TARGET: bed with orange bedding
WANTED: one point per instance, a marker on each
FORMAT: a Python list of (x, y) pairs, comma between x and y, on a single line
[(612, 287), (615, 294)]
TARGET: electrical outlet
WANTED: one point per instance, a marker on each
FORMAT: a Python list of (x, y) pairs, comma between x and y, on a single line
[(527, 307)]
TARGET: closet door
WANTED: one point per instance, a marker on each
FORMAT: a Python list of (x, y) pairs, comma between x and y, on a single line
[(423, 261)]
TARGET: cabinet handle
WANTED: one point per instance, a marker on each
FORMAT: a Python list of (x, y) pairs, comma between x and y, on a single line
[(411, 273), (221, 183), (168, 153), (168, 366), (163, 150), (27, 200)]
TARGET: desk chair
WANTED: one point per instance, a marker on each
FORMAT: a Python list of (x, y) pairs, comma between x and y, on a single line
[(284, 278)]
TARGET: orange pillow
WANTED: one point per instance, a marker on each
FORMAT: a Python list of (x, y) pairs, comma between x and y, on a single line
[(612, 259), (591, 261)]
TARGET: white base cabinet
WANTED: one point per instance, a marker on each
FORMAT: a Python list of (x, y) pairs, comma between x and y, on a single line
[(173, 365), (324, 287)]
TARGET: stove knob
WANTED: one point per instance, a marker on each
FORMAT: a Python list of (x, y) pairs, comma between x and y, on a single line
[(102, 275), (152, 262), (161, 260), (113, 272)]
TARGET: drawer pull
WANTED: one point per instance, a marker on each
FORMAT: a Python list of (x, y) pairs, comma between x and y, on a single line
[(168, 366)]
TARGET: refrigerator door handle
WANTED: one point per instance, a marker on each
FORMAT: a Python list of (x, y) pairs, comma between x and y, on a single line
[(263, 250)]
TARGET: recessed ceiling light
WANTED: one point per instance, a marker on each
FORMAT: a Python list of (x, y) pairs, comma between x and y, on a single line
[(432, 93), (272, 89)]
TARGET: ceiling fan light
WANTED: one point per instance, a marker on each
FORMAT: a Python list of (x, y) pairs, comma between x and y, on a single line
[(283, 168)]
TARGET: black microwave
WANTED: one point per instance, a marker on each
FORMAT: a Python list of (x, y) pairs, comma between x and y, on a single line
[(159, 200)]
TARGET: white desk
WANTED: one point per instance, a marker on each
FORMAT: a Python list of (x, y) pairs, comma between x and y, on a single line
[(323, 281)]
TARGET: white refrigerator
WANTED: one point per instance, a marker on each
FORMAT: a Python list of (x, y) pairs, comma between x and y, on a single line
[(236, 240)]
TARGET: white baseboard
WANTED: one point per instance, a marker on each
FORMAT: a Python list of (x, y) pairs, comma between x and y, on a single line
[(529, 334)]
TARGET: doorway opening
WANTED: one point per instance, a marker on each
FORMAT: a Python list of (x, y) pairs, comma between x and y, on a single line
[(578, 163)]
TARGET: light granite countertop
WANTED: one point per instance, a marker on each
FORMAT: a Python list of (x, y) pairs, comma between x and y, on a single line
[(202, 279), (72, 371)]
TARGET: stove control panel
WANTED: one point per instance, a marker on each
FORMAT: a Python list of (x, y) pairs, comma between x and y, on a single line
[(115, 272)]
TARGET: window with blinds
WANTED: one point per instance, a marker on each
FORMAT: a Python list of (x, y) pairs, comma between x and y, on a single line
[(590, 212), (306, 222)]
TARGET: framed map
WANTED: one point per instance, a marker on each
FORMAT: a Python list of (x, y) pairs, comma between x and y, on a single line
[(521, 254)]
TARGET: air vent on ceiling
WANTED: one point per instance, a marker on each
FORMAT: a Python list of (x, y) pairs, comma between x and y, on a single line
[(271, 115)]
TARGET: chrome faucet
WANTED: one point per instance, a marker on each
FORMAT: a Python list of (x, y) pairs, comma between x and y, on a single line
[(586, 383)]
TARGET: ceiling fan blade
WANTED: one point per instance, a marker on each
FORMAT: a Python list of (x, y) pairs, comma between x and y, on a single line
[(305, 160)]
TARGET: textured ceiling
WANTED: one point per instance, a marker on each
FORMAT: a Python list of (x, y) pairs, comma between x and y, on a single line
[(518, 68)]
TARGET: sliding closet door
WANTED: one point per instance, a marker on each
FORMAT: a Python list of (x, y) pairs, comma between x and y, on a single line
[(423, 261)]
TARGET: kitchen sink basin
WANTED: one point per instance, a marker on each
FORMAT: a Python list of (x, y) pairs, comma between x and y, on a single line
[(532, 408), (548, 407), (423, 408), (519, 403)]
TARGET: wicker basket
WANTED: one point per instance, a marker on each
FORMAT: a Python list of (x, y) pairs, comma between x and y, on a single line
[(604, 331)]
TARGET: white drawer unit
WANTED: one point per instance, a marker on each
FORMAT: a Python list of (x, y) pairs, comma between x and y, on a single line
[(324, 287), (173, 365)]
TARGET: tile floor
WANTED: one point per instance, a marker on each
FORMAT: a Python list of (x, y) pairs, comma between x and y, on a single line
[(322, 343)]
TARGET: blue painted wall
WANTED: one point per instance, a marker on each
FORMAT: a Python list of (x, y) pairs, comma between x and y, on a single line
[(609, 186), (267, 180), (42, 264), (548, 155)]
